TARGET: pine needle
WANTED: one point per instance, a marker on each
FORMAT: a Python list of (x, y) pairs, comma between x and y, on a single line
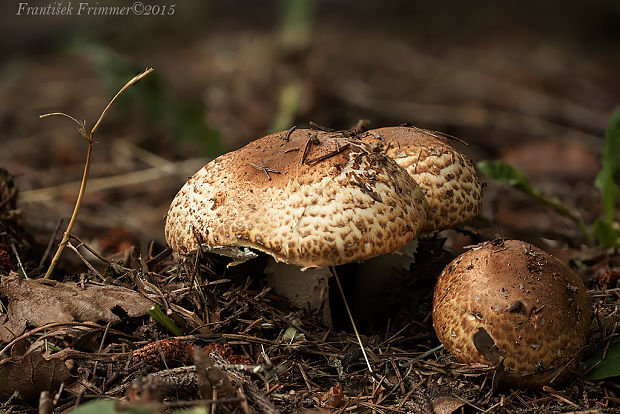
[(346, 305)]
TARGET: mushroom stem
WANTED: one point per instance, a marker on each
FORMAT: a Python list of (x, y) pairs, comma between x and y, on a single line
[(375, 274), (303, 287)]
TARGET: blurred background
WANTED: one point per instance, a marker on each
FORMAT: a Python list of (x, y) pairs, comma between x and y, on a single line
[(532, 83)]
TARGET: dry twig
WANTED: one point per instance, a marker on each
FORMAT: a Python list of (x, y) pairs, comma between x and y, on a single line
[(90, 138)]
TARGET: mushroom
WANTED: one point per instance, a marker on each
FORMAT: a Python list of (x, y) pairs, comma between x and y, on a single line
[(448, 178), (307, 198), (508, 303)]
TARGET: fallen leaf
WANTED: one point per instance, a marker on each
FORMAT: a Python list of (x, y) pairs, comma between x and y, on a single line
[(39, 302), (334, 397), (30, 374), (446, 404)]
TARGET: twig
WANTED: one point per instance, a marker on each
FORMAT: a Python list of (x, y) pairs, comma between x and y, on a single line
[(436, 134), (307, 148), (83, 259), (304, 376), (19, 261), (90, 138), (559, 396), (103, 337), (415, 168), (328, 155), (48, 249), (265, 169), (158, 257), (57, 324), (287, 136), (346, 305), (90, 249), (314, 125)]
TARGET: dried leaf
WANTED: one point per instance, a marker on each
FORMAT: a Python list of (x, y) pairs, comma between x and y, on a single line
[(39, 302), (446, 404), (334, 397), (30, 374)]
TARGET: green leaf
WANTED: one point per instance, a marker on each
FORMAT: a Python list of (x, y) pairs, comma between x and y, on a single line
[(507, 174), (608, 367), (158, 315), (604, 181), (108, 407), (606, 234), (605, 178)]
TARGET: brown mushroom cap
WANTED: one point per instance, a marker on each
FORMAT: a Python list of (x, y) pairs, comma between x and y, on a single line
[(513, 300), (448, 178), (314, 199)]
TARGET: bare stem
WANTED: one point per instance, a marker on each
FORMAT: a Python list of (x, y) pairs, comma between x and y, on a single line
[(346, 305), (90, 137)]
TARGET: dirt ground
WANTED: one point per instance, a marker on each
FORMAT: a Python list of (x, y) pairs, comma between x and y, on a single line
[(532, 85)]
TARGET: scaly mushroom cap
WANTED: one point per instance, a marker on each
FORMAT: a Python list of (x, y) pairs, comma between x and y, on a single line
[(448, 178), (510, 299), (315, 199)]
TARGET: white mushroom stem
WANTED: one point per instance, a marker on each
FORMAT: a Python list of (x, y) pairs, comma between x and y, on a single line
[(308, 288), (304, 287), (378, 272)]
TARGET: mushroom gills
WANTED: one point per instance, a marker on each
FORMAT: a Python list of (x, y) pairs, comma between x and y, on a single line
[(237, 254)]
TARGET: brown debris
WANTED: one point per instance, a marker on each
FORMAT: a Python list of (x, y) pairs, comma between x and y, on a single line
[(164, 351), (30, 374), (40, 302), (334, 397)]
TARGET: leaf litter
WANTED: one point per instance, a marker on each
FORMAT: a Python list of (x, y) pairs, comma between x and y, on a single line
[(95, 339), (37, 302), (249, 358)]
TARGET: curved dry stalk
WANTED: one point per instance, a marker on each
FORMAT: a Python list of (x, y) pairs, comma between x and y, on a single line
[(90, 138)]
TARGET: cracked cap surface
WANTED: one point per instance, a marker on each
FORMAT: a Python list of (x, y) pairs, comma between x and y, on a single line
[(345, 203), (448, 178)]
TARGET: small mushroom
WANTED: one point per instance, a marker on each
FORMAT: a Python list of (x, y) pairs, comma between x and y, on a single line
[(508, 303), (308, 198), (448, 178)]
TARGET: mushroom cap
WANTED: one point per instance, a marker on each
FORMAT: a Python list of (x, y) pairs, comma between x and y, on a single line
[(513, 300), (312, 204), (448, 178)]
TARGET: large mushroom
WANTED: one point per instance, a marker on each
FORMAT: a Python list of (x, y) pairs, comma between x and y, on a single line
[(308, 198), (507, 303)]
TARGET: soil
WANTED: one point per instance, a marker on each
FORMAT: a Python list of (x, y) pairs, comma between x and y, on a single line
[(530, 84)]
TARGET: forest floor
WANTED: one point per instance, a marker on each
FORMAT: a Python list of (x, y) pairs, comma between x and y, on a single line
[(540, 106)]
